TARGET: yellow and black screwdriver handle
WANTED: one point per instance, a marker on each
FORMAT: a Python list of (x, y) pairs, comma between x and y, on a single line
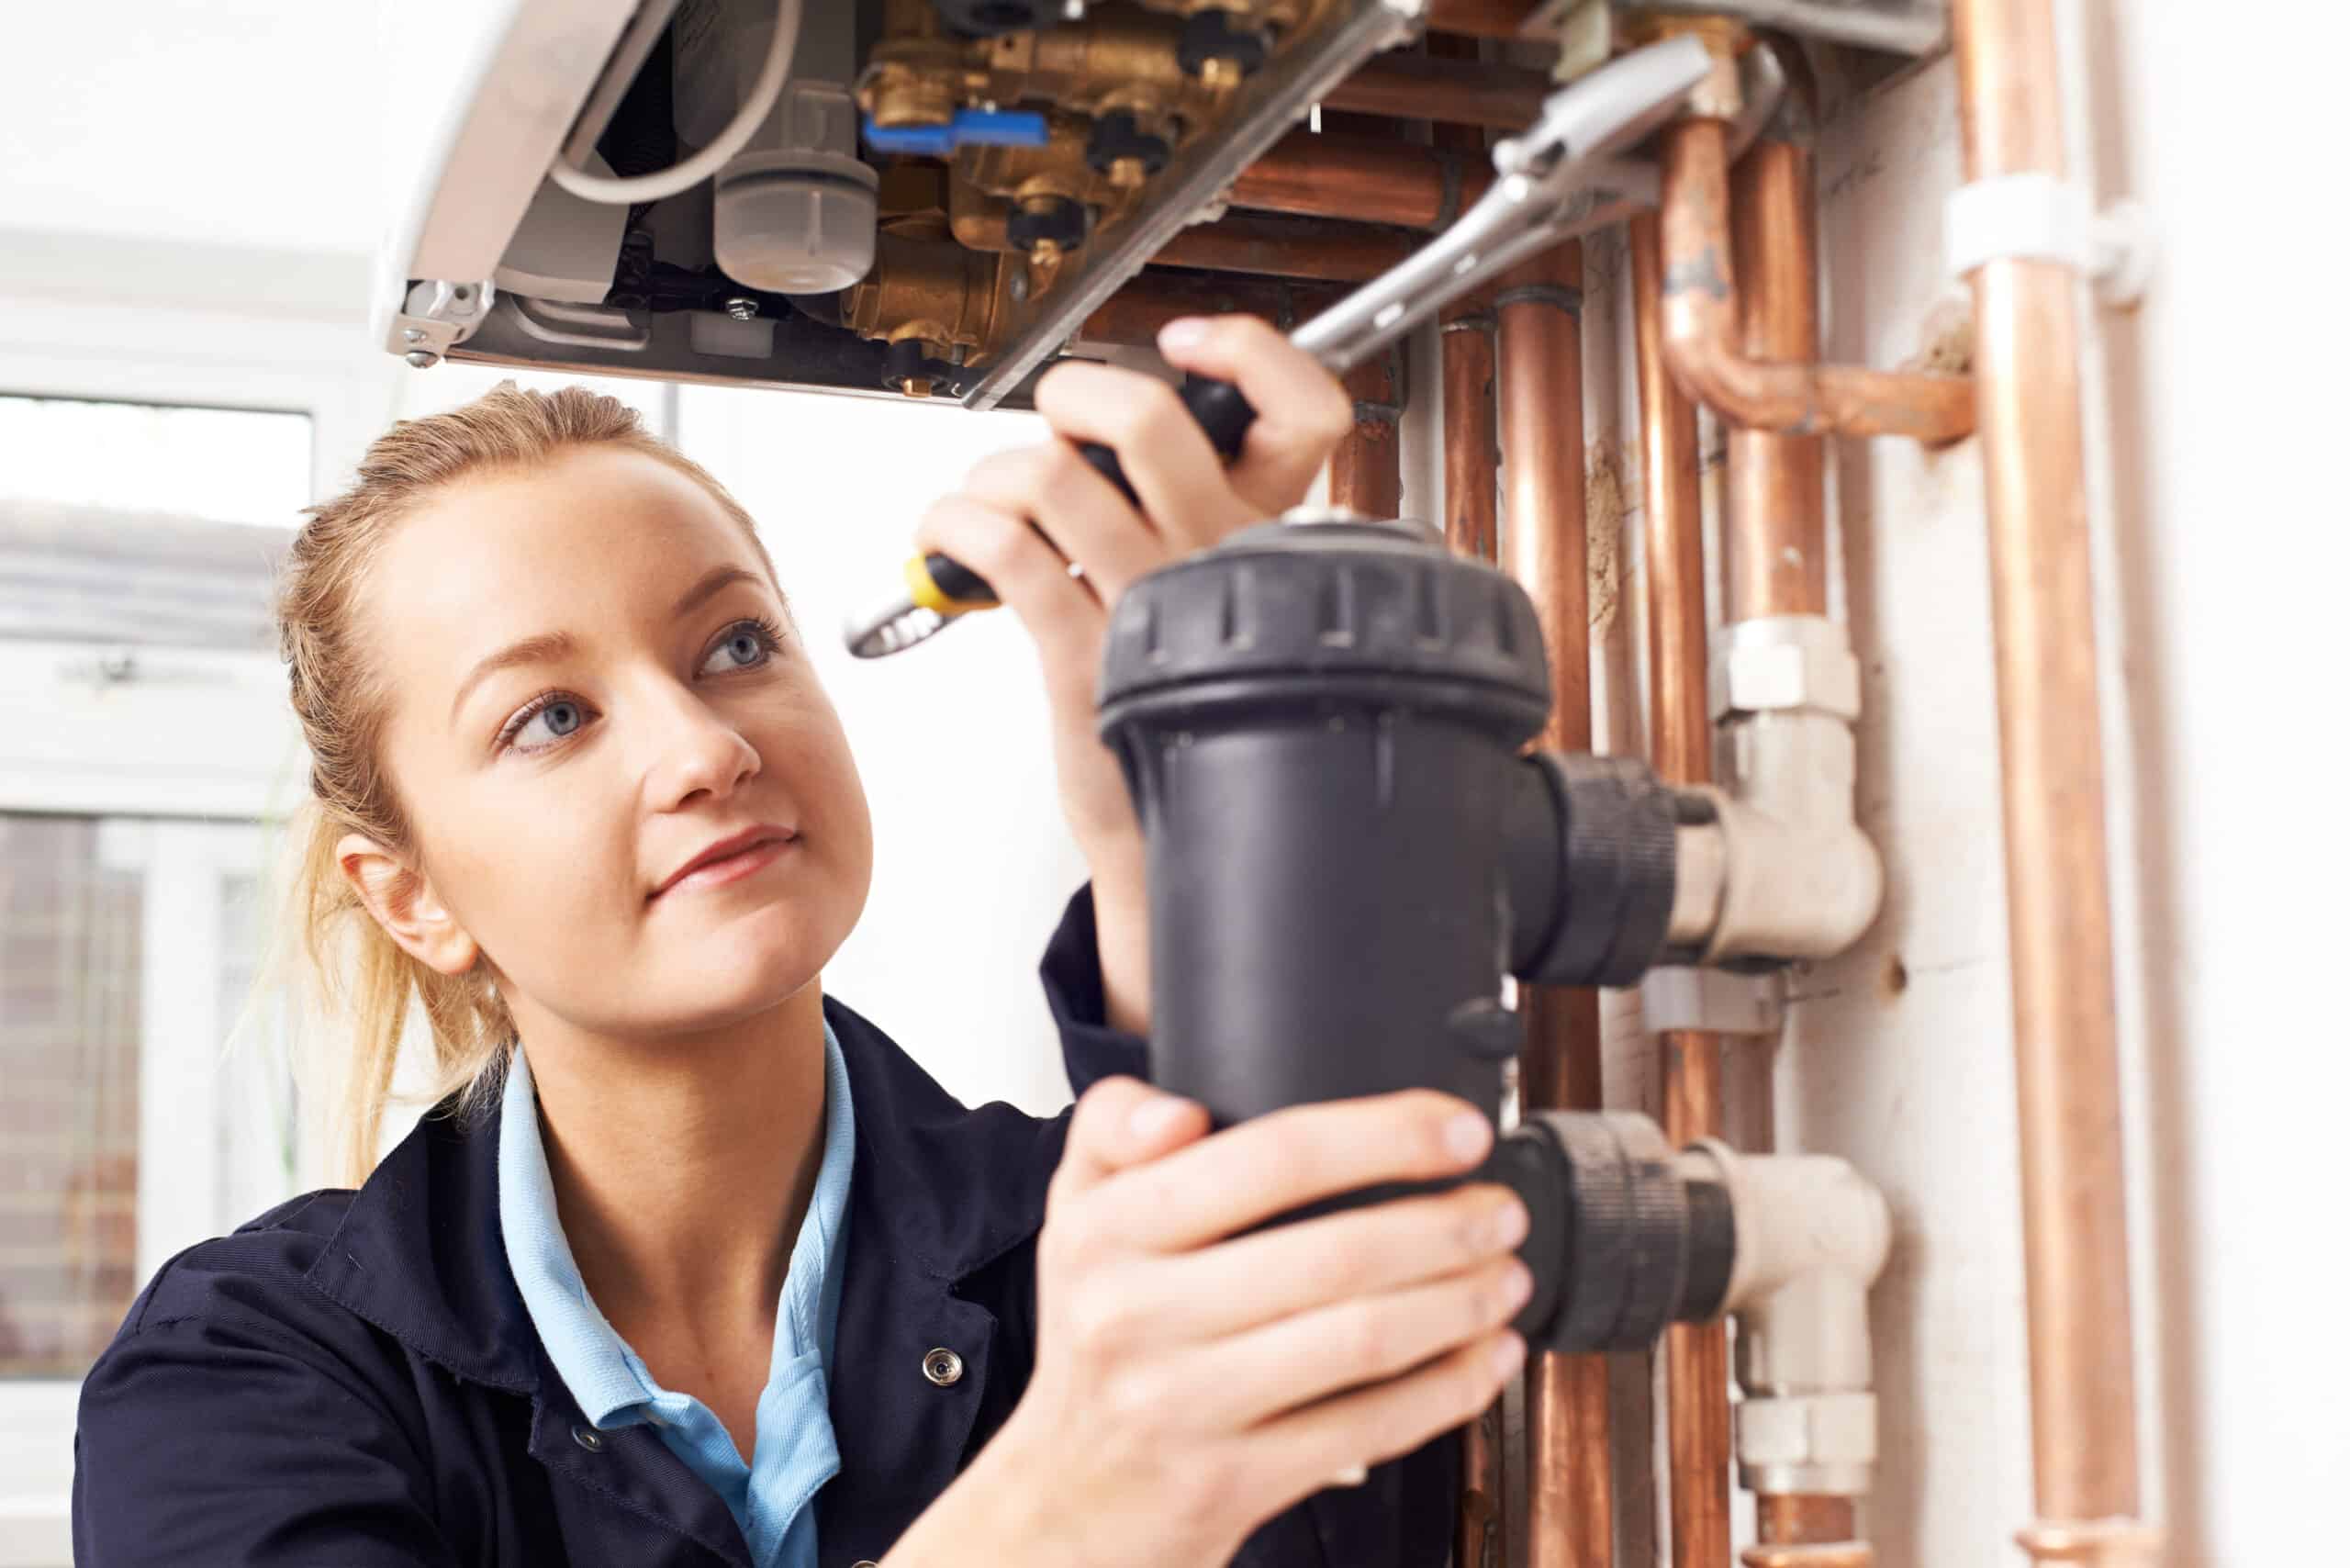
[(939, 587)]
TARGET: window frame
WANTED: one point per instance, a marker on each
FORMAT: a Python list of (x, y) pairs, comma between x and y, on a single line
[(73, 742)]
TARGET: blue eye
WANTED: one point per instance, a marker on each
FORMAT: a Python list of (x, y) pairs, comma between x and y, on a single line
[(745, 645), (556, 718)]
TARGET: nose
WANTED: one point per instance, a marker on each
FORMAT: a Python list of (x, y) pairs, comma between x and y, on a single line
[(694, 752)]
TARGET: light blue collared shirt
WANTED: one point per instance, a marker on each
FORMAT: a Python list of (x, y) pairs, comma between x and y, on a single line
[(794, 1454)]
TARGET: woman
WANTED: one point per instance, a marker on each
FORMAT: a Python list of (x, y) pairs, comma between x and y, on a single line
[(692, 1263)]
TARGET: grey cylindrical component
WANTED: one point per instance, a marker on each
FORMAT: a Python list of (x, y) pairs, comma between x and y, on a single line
[(796, 211), (792, 225)]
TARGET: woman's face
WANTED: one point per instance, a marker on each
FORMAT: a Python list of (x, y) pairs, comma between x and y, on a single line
[(593, 685)]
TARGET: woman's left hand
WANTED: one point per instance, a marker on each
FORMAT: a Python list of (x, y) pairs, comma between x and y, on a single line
[(1062, 575)]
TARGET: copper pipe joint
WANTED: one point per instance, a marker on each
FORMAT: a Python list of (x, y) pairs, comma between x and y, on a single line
[(1702, 342), (2099, 1543)]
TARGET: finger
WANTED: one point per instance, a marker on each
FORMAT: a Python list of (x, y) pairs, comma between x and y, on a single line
[(1255, 1280), (1307, 1448), (1280, 1161), (1348, 1344), (1176, 474), (1302, 412), (1122, 1122), (1080, 512), (1028, 574)]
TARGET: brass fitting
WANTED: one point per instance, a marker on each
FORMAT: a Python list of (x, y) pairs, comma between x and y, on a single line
[(1220, 75), (933, 290)]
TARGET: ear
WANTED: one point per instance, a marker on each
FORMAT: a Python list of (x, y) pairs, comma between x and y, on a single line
[(403, 901)]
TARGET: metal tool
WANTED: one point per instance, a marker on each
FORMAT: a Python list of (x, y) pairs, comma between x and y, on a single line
[(1573, 172)]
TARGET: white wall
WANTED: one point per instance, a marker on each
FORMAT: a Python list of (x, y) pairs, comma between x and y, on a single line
[(971, 863), (253, 120)]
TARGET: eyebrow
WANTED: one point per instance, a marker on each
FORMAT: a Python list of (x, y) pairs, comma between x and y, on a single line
[(540, 649), (550, 645), (715, 581)]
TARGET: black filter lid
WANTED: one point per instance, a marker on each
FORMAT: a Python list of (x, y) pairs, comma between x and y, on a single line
[(1307, 608)]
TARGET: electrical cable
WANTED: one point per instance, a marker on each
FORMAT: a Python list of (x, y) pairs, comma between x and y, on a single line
[(691, 173)]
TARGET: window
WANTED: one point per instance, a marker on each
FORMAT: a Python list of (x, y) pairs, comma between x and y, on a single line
[(139, 1119), (227, 464), (146, 748)]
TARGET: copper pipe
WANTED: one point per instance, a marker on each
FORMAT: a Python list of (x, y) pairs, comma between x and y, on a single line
[(1472, 526), (1447, 90), (1696, 1356), (1805, 1530), (1148, 301), (1287, 247), (1367, 179), (1777, 523), (1471, 498), (1367, 469), (1802, 1518), (1482, 1520), (1571, 1503), (2077, 1255), (1703, 343)]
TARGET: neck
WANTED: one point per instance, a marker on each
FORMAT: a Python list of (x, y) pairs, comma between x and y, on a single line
[(684, 1166)]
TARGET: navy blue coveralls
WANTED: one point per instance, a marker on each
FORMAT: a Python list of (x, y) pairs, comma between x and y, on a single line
[(351, 1380)]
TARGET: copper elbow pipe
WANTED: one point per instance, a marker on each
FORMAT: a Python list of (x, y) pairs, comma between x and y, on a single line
[(1776, 516), (2076, 1256), (1680, 742), (1702, 346), (1367, 179)]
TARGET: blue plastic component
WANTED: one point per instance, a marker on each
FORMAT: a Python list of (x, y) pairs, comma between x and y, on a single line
[(983, 128)]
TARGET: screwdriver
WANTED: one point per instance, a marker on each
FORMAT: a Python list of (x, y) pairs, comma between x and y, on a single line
[(1565, 176)]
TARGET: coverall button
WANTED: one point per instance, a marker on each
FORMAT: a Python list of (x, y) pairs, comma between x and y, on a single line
[(942, 1366)]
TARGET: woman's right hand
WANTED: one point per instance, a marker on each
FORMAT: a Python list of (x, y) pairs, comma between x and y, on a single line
[(1191, 1383)]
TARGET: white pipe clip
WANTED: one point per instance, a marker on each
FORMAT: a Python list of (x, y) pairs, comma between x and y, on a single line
[(2041, 217)]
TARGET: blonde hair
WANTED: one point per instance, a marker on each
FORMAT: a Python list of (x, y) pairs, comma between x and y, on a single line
[(364, 977)]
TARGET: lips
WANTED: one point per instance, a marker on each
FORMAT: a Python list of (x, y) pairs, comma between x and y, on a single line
[(737, 854)]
